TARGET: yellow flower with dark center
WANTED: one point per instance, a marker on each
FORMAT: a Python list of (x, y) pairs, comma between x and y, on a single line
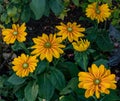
[(81, 45), (47, 47), (16, 33), (97, 80), (24, 64), (98, 12), (72, 31)]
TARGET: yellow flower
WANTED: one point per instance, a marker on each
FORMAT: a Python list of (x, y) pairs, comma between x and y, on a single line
[(98, 12), (97, 80), (16, 33), (24, 64), (47, 47), (71, 30), (81, 45)]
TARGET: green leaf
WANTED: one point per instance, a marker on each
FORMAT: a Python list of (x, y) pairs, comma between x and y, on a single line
[(47, 10), (15, 80), (11, 11), (31, 91), (38, 8), (46, 89), (103, 41), (76, 2), (72, 68), (91, 34), (3, 17), (69, 69), (1, 8), (57, 78), (101, 61), (15, 18), (113, 96), (82, 59), (41, 67), (56, 6), (19, 46), (71, 86), (25, 14)]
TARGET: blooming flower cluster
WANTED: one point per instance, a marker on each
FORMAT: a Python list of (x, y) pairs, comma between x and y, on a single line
[(47, 47)]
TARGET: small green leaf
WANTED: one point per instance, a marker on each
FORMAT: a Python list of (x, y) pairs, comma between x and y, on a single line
[(15, 80), (38, 8), (31, 91)]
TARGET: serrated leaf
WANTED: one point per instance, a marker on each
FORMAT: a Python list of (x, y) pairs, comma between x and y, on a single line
[(15, 80), (31, 91), (38, 8)]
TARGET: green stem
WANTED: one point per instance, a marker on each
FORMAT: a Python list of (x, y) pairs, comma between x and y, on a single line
[(95, 99)]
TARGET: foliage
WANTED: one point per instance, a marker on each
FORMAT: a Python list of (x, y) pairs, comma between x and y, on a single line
[(58, 80)]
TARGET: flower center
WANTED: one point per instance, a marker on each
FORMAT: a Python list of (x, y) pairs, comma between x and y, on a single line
[(69, 29), (15, 33), (98, 11), (97, 81), (47, 45), (25, 65)]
